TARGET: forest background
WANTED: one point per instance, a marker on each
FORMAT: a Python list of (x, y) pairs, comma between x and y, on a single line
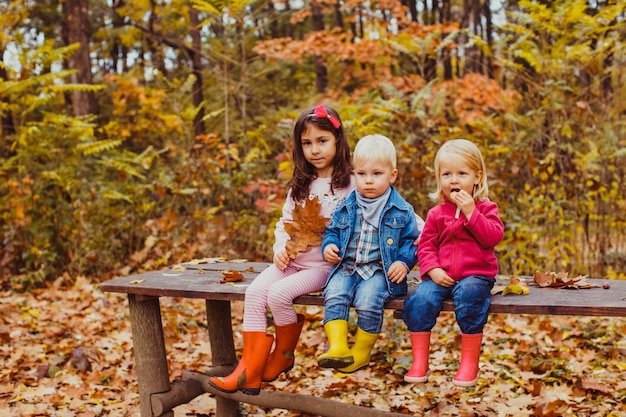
[(138, 134)]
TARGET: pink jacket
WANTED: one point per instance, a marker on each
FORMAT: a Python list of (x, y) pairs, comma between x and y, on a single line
[(460, 247)]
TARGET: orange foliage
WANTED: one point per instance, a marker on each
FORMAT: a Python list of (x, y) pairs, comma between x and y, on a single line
[(474, 96)]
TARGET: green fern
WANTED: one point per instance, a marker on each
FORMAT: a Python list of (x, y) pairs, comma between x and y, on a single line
[(438, 105), (64, 88), (116, 195), (419, 101), (212, 7), (122, 166), (531, 57), (216, 7), (147, 156), (99, 146)]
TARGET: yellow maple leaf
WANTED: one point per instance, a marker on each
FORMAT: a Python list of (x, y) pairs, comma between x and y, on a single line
[(307, 228)]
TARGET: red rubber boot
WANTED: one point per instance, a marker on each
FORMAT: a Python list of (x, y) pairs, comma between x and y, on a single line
[(282, 358), (467, 375), (247, 376), (419, 372)]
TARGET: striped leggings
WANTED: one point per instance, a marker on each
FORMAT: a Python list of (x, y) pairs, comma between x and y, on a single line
[(277, 289)]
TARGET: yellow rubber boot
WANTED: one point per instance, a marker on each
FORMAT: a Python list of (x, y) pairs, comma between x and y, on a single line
[(339, 354), (361, 350)]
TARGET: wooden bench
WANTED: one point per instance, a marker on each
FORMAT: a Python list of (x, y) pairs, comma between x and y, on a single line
[(158, 396)]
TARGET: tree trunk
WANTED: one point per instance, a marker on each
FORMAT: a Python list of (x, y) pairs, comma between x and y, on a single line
[(445, 53), (154, 49), (321, 72), (289, 27), (488, 39), (8, 124), (430, 64), (461, 65), (272, 15), (412, 6), (76, 30), (243, 91), (477, 65), (196, 63), (338, 15), (119, 52)]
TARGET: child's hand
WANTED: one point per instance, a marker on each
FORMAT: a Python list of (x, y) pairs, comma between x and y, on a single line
[(331, 254), (281, 260), (397, 272), (464, 201), (440, 277)]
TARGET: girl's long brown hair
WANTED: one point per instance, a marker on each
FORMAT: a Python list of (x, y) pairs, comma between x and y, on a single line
[(303, 171)]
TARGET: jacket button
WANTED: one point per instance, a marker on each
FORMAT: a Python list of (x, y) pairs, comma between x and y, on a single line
[(389, 241)]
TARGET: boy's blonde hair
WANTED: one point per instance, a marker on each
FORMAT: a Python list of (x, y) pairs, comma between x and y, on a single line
[(376, 148), (471, 154)]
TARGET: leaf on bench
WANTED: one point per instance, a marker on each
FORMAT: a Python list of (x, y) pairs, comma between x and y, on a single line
[(206, 261), (238, 261), (517, 289), (307, 228), (516, 286), (232, 276), (561, 280)]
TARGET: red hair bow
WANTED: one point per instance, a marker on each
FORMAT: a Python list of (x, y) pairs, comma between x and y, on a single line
[(322, 113)]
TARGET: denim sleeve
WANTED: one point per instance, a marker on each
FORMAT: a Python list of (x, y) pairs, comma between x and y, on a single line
[(331, 234), (407, 252)]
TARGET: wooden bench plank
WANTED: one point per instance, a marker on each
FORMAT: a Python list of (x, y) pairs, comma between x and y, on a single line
[(308, 404), (203, 282)]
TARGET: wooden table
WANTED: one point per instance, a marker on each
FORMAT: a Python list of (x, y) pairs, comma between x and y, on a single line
[(205, 281)]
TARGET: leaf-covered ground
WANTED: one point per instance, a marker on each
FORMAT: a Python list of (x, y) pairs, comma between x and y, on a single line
[(68, 352)]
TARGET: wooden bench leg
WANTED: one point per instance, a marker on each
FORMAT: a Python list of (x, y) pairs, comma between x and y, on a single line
[(222, 348), (149, 347)]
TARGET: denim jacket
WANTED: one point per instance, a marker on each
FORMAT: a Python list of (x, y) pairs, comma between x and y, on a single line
[(398, 229)]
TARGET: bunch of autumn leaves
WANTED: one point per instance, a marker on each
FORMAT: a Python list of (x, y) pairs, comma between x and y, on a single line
[(544, 279), (306, 229)]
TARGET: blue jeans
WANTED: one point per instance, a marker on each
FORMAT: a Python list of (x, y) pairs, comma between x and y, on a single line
[(346, 288), (471, 297)]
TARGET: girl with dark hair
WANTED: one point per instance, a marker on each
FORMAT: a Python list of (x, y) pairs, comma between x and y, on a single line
[(322, 169)]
